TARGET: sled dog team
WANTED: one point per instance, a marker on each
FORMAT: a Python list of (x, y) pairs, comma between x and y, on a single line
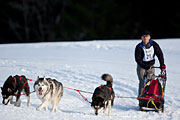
[(50, 91)]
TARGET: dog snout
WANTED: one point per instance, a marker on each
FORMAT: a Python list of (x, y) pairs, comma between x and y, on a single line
[(96, 112), (5, 102), (39, 88)]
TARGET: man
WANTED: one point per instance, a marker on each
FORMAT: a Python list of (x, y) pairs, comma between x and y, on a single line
[(145, 53)]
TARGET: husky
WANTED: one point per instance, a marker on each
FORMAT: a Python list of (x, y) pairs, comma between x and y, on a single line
[(48, 91), (103, 96), (13, 86)]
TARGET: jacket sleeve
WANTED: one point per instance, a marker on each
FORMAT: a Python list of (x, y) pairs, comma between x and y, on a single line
[(159, 54), (139, 56)]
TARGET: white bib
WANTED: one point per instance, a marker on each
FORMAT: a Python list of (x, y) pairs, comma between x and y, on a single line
[(148, 54)]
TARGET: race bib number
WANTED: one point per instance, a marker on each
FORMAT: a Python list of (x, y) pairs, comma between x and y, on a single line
[(148, 54)]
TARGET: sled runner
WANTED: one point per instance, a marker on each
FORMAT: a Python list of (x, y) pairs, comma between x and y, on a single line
[(152, 96)]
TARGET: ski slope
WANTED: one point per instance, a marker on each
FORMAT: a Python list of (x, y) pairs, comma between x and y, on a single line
[(79, 65)]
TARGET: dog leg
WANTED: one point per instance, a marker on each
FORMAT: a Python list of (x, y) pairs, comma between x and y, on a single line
[(105, 110), (28, 100), (109, 107), (27, 93), (44, 104), (55, 104), (54, 109), (105, 107), (18, 101), (11, 100), (96, 112), (46, 108)]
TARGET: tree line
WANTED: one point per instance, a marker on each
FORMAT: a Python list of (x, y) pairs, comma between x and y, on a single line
[(79, 20)]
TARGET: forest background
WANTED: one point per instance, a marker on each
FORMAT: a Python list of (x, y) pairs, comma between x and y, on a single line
[(80, 20)]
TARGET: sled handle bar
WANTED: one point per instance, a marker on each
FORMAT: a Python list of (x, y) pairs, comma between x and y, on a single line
[(156, 67)]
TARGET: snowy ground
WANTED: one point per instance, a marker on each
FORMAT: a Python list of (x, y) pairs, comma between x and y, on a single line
[(80, 65)]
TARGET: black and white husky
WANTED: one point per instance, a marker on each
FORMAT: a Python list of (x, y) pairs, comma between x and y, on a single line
[(103, 96), (48, 91), (13, 86)]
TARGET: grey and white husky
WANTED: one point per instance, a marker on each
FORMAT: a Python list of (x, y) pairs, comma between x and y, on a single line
[(48, 91)]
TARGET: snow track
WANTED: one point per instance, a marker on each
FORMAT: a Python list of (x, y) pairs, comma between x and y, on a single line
[(80, 66)]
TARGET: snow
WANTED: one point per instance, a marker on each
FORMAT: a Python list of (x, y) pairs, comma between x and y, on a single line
[(79, 65)]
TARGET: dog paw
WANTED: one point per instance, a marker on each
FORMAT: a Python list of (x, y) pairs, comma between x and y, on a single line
[(54, 110), (28, 105), (105, 112), (46, 109), (17, 105), (12, 102), (38, 109)]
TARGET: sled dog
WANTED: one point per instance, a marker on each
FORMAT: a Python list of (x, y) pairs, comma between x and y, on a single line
[(103, 96), (48, 91), (13, 86)]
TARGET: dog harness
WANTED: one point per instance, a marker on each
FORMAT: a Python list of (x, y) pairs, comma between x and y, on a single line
[(15, 81), (102, 86)]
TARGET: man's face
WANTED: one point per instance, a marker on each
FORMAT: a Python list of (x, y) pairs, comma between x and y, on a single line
[(145, 39)]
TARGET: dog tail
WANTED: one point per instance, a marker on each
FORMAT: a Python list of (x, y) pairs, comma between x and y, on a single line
[(108, 78)]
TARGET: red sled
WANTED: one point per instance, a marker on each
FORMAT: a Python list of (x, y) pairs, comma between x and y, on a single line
[(152, 96)]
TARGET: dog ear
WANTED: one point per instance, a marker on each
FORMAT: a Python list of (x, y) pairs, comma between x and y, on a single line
[(44, 78), (10, 77), (9, 90), (1, 88)]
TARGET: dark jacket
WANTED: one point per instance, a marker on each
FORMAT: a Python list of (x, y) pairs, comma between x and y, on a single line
[(140, 54)]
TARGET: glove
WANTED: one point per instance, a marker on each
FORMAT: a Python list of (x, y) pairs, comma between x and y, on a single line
[(163, 67)]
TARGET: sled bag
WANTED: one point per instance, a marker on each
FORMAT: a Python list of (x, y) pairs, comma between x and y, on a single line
[(153, 90)]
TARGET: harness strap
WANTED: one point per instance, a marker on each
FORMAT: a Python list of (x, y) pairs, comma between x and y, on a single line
[(15, 81), (145, 87), (152, 101), (153, 95), (79, 91), (25, 93), (83, 96), (102, 86), (25, 83), (154, 105)]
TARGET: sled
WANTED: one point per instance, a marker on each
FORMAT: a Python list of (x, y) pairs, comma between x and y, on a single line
[(152, 96)]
